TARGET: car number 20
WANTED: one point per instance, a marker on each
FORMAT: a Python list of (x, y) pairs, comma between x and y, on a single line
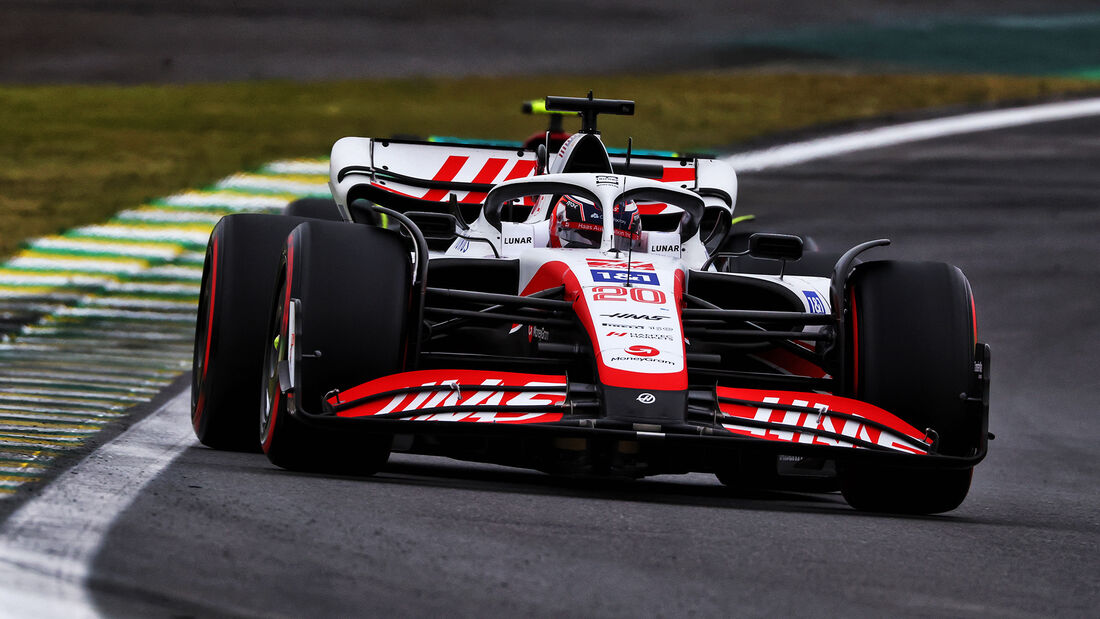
[(619, 293)]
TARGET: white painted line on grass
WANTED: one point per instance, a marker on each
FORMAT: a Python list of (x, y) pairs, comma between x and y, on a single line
[(176, 272), (832, 146), (48, 545), (297, 166), (195, 234), (167, 216), (295, 184), (84, 265), (159, 251), (227, 200), (89, 312)]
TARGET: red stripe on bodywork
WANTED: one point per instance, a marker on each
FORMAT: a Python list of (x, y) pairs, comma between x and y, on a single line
[(551, 275), (791, 362), (671, 175), (446, 173), (487, 175), (652, 208), (522, 169)]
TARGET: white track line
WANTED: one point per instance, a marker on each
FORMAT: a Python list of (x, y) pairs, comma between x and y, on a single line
[(831, 146), (48, 545), (297, 166)]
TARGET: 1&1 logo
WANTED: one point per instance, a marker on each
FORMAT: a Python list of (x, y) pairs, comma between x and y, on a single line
[(619, 277)]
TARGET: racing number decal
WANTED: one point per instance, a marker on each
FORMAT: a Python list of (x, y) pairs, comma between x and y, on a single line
[(647, 295), (608, 293), (618, 293)]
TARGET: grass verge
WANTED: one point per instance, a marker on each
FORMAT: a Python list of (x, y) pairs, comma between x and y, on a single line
[(71, 155)]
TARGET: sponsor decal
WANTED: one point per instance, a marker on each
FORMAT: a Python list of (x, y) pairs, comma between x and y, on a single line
[(620, 293), (639, 331), (666, 248), (854, 428), (613, 359), (607, 263), (606, 180), (625, 316), (517, 240), (617, 277), (453, 388), (462, 245), (646, 398), (664, 337), (642, 351), (537, 333), (449, 395), (816, 304), (585, 212)]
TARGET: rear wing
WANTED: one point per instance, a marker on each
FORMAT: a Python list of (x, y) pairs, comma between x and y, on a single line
[(414, 175)]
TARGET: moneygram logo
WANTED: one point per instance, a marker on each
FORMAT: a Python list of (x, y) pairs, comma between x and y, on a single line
[(642, 351)]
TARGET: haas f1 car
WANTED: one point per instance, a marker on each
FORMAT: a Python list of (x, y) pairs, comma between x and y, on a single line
[(582, 313)]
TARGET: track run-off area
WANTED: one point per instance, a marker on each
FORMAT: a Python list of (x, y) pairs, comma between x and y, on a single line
[(102, 317), (98, 322)]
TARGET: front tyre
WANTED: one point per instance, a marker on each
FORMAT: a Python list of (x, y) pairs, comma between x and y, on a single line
[(348, 285), (911, 348)]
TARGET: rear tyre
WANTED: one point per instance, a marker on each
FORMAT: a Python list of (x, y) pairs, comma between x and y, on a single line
[(314, 208), (349, 284), (911, 352), (238, 280)]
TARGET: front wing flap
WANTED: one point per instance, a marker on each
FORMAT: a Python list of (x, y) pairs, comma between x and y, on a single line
[(478, 402)]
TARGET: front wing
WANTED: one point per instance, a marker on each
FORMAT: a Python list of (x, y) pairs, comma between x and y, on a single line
[(440, 405)]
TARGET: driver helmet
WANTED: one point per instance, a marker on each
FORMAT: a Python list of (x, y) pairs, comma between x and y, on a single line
[(577, 222)]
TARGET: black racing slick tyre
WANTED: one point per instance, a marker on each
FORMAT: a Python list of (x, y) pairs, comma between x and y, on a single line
[(238, 280), (314, 208), (349, 285), (911, 348)]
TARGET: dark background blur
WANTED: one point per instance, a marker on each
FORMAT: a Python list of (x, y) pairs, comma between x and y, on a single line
[(133, 41)]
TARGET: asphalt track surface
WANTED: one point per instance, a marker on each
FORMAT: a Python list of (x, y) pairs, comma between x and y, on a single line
[(227, 533), (166, 41)]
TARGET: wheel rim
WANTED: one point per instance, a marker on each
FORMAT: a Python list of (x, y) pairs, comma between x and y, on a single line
[(275, 351)]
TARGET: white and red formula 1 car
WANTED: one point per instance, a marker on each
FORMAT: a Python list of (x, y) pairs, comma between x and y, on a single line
[(582, 313)]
